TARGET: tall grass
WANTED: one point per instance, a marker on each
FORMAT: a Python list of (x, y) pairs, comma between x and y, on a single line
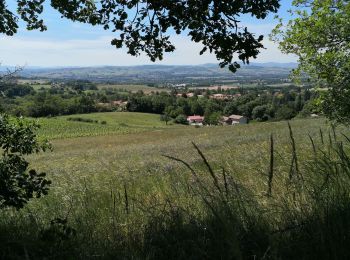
[(200, 211)]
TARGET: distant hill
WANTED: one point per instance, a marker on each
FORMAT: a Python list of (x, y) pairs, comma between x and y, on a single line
[(208, 73), (291, 65)]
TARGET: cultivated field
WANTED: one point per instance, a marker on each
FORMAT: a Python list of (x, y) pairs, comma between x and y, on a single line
[(134, 140), (115, 123), (133, 88), (123, 197)]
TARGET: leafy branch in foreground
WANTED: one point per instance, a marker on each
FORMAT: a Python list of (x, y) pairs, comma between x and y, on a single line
[(320, 37), (144, 26), (18, 184)]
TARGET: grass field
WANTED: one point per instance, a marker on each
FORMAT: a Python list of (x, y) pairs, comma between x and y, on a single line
[(37, 87), (143, 138), (126, 200), (124, 153), (116, 123), (38, 84), (109, 156), (33, 81)]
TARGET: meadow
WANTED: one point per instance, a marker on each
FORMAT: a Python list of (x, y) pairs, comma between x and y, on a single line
[(150, 193), (114, 123)]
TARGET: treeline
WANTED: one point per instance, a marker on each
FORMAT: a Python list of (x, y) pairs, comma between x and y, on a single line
[(12, 90), (256, 105), (44, 104), (76, 97), (66, 98)]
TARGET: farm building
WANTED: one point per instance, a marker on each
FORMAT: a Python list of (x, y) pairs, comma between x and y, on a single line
[(234, 119), (120, 104), (195, 120)]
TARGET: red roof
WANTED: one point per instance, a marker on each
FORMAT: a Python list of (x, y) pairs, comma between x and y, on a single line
[(195, 118)]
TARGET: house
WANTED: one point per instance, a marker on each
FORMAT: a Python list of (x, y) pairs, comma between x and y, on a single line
[(119, 103), (220, 96), (186, 95), (222, 87), (195, 120), (234, 119)]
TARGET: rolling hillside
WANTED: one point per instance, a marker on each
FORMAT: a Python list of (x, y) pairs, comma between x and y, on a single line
[(163, 74)]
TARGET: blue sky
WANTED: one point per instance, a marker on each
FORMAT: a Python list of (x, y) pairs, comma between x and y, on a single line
[(66, 43)]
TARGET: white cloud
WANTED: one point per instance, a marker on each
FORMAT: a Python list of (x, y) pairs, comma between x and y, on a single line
[(79, 52)]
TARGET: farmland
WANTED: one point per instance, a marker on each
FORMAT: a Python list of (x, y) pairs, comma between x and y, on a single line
[(133, 88), (116, 188), (115, 123), (138, 145), (159, 74), (108, 157)]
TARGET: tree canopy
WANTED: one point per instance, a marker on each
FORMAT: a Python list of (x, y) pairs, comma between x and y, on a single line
[(146, 25), (319, 35)]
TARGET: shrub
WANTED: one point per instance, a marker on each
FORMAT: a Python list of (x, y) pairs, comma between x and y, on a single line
[(18, 184), (260, 113), (81, 119), (181, 119), (212, 118), (285, 113)]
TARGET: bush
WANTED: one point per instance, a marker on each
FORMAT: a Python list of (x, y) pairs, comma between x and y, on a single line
[(81, 119), (181, 119), (18, 184), (309, 108), (260, 113), (212, 118), (285, 113)]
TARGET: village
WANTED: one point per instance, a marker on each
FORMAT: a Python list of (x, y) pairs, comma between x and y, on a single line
[(217, 104)]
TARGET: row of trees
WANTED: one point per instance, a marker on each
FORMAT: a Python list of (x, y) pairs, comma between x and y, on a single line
[(256, 105), (60, 99), (45, 104), (82, 97)]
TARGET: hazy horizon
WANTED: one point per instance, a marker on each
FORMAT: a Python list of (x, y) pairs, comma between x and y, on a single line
[(5, 66), (74, 44)]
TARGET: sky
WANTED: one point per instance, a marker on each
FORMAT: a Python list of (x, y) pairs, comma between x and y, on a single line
[(68, 43)]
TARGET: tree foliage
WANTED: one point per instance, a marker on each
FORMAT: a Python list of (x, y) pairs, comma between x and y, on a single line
[(144, 25), (319, 35), (18, 184)]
